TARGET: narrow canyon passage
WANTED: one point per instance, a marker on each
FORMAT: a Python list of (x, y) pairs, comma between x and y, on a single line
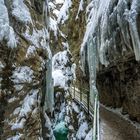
[(50, 47)]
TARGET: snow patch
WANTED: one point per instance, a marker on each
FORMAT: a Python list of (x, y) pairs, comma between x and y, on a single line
[(82, 131), (18, 87), (63, 14), (60, 60), (37, 38), (53, 26), (51, 5), (29, 101), (59, 1), (19, 125), (16, 111), (21, 11), (75, 107), (31, 50), (28, 104), (22, 74), (89, 135), (59, 79)]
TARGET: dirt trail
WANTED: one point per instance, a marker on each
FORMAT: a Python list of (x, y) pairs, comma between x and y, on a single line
[(114, 127)]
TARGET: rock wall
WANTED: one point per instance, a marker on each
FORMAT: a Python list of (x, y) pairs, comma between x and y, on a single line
[(118, 82), (21, 68), (119, 87)]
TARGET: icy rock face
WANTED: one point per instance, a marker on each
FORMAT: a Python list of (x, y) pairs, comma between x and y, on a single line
[(114, 25), (23, 52)]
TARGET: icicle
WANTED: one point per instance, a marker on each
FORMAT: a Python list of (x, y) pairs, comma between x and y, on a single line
[(99, 18), (92, 62), (83, 58), (133, 28), (49, 96)]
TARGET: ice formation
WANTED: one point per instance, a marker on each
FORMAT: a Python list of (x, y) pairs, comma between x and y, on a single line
[(49, 97), (49, 94), (132, 17), (92, 60), (100, 20)]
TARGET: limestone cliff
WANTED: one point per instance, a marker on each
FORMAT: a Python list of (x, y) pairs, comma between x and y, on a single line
[(22, 57)]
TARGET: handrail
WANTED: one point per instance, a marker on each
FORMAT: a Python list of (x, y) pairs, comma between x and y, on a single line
[(94, 110), (96, 128)]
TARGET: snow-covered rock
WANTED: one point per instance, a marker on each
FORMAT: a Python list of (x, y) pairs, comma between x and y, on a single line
[(61, 69), (22, 75), (20, 11), (6, 31), (63, 14)]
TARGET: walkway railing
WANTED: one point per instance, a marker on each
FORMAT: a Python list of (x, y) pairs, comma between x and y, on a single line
[(82, 98)]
